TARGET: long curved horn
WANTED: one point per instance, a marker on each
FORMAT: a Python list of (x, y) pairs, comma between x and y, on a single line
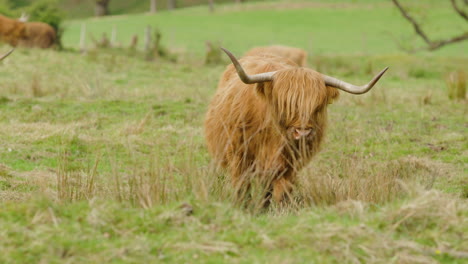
[(350, 88), (6, 55), (249, 79)]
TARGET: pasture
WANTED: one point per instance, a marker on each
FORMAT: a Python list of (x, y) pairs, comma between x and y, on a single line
[(103, 160)]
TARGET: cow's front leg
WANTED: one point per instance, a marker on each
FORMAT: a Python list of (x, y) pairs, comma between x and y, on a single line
[(282, 188)]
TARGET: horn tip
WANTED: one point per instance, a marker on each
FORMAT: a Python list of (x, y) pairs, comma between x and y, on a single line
[(225, 50), (381, 73)]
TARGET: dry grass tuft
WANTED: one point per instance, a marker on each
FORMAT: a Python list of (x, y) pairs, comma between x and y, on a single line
[(456, 85), (359, 180), (430, 209), (16, 186), (36, 88), (136, 129), (4, 170), (161, 181), (209, 247), (76, 185)]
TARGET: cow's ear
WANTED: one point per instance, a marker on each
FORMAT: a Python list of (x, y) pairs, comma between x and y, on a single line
[(264, 89), (333, 94), (260, 88)]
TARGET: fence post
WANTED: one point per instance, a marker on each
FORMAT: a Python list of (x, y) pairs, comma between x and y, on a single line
[(83, 38)]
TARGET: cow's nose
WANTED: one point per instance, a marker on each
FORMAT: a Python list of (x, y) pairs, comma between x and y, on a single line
[(300, 132)]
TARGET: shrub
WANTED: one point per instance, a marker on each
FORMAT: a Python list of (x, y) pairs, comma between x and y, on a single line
[(6, 8), (213, 53), (154, 48)]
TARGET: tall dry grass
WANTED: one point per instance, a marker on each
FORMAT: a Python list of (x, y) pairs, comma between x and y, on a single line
[(456, 85), (357, 178), (160, 181), (167, 181)]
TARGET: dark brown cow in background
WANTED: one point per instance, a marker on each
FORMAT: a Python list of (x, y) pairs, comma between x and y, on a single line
[(26, 34), (297, 55), (268, 125)]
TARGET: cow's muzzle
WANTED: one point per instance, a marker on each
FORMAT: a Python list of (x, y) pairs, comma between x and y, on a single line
[(299, 133)]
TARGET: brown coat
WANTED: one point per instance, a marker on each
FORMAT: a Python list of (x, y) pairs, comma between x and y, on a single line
[(299, 56), (26, 34)]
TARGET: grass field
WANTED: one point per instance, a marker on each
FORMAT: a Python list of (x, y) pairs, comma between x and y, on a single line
[(102, 156), (370, 27)]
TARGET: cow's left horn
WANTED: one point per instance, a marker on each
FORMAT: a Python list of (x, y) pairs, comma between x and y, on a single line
[(249, 79), (350, 88), (6, 55)]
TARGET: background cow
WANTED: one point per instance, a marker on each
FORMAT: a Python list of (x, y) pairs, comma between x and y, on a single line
[(299, 56), (26, 34), (270, 124)]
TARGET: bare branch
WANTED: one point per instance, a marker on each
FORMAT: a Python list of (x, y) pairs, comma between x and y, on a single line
[(416, 26), (431, 45), (438, 44), (459, 11)]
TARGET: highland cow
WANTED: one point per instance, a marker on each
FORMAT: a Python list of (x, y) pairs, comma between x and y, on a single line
[(268, 125), (26, 34), (299, 56)]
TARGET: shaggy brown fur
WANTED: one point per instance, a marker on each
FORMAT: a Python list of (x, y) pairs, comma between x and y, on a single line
[(38, 35), (299, 56), (11, 31), (250, 128), (26, 34)]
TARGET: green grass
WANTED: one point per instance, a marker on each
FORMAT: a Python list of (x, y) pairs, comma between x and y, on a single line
[(308, 27), (103, 160)]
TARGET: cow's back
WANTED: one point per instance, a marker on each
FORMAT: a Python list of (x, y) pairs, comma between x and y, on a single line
[(297, 55), (39, 35)]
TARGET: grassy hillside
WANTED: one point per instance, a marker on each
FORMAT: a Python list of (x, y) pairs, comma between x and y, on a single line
[(85, 8), (103, 160), (365, 28)]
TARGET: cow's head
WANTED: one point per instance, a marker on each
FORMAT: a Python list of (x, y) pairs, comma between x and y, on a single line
[(298, 97)]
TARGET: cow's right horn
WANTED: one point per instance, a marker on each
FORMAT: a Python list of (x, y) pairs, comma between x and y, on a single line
[(6, 55), (249, 79), (350, 88)]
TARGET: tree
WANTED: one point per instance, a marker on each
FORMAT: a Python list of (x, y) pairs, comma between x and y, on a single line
[(211, 4), (432, 44), (171, 4), (153, 6), (101, 8)]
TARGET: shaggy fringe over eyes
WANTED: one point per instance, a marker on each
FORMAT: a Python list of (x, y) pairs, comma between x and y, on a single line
[(298, 93)]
